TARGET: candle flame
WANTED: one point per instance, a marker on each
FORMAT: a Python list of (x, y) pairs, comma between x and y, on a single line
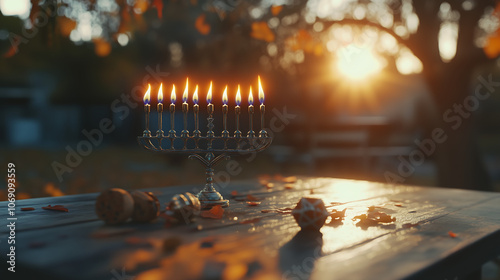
[(160, 94), (224, 96), (238, 96), (173, 95), (250, 97), (195, 95), (261, 92), (209, 94), (147, 95), (185, 95)]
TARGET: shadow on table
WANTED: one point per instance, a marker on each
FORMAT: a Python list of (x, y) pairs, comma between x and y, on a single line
[(297, 256)]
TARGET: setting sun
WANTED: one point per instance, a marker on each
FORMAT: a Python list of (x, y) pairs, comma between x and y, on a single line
[(357, 62)]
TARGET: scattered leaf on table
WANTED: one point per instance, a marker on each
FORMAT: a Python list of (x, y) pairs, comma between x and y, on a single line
[(56, 208), (269, 185), (201, 25), (373, 218), (234, 193), (253, 203), (250, 221), (289, 186), (261, 31), (398, 205), (275, 10), (252, 198), (215, 213), (338, 215), (290, 179), (372, 208), (410, 225), (452, 234), (27, 209)]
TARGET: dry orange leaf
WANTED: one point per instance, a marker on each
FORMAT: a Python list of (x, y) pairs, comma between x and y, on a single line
[(27, 209), (452, 234), (252, 198), (215, 213), (56, 208), (290, 179), (289, 186), (234, 193), (201, 25), (275, 10), (253, 203), (398, 205), (261, 31)]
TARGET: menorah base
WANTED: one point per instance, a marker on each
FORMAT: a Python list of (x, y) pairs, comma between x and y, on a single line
[(209, 199)]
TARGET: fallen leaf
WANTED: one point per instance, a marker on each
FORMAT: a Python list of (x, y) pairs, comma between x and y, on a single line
[(253, 203), (452, 234), (234, 193), (410, 225), (269, 185), (398, 205), (337, 215), (290, 179), (27, 209), (289, 186), (201, 25), (275, 10), (252, 198), (56, 208), (215, 213), (261, 31)]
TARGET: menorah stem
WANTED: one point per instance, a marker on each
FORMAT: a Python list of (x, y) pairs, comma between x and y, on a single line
[(262, 132), (146, 132), (225, 109), (159, 133), (251, 133), (185, 132)]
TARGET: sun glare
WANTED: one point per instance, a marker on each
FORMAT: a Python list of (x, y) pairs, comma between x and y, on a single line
[(358, 63), (15, 8)]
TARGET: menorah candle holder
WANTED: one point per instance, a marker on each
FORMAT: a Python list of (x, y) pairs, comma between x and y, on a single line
[(208, 148)]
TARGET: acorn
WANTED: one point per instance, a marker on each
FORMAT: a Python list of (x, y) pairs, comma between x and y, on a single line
[(114, 206), (146, 206)]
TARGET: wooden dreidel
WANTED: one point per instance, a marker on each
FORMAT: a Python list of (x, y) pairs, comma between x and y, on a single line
[(114, 206), (146, 206), (310, 213)]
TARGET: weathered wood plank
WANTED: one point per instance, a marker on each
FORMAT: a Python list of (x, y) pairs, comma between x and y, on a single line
[(372, 250)]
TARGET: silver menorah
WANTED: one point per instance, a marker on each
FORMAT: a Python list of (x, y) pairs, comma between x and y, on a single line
[(208, 148)]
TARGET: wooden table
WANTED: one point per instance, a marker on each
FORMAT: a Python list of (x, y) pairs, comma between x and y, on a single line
[(249, 244)]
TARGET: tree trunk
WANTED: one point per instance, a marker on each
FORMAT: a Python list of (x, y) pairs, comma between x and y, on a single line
[(458, 159)]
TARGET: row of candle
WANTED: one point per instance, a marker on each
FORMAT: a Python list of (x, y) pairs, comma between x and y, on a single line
[(210, 110)]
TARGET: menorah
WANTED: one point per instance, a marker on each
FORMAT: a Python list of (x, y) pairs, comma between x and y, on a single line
[(208, 148)]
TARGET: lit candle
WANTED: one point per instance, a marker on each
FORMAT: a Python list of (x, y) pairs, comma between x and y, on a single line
[(185, 108), (237, 111), (251, 133), (173, 97), (210, 110), (147, 109), (159, 133), (196, 109), (225, 133), (262, 132)]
